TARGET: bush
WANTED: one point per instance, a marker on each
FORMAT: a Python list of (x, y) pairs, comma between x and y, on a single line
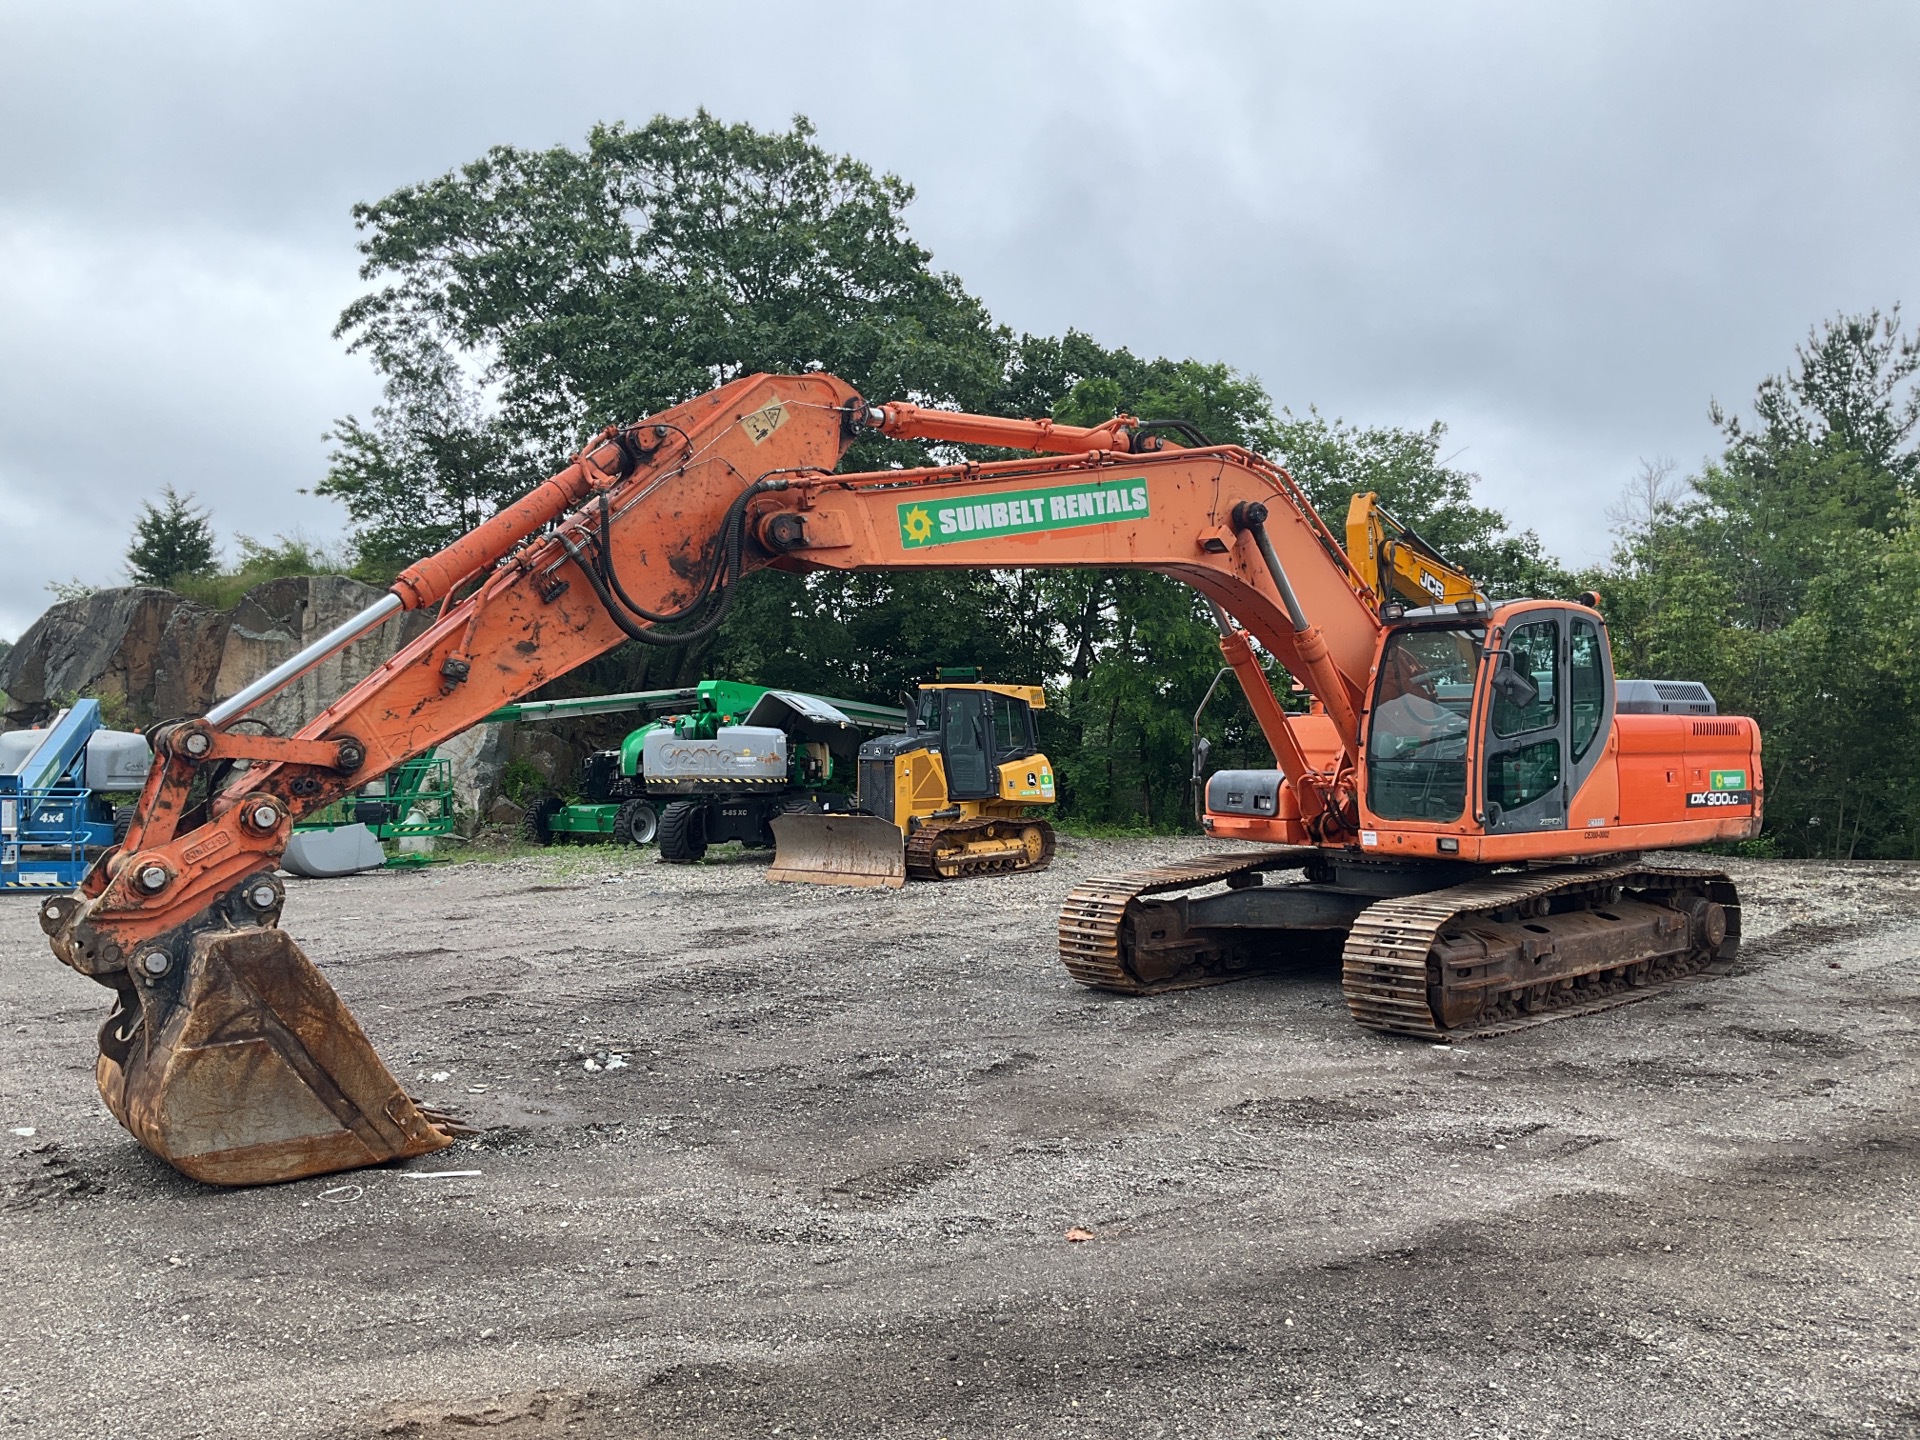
[(260, 562)]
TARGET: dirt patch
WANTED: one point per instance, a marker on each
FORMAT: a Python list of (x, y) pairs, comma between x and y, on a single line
[(536, 1413), (889, 1184), (1817, 1042), (45, 1174), (1302, 1110)]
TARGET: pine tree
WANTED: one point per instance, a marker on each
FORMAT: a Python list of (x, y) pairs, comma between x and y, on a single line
[(171, 540)]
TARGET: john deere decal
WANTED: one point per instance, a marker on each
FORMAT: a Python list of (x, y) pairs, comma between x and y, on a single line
[(1019, 512)]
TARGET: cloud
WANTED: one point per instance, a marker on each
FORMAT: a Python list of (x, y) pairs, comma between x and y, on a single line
[(1560, 229), (191, 358)]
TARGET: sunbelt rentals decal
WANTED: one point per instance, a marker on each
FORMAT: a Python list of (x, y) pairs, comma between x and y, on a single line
[(1020, 512)]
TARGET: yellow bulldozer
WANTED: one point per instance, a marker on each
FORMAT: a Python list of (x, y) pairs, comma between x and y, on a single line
[(945, 800)]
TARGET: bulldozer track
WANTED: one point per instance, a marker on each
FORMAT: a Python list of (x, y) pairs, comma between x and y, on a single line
[(930, 853), (1385, 966), (1093, 918)]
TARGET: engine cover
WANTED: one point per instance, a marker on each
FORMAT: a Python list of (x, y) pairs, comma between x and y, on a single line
[(749, 754)]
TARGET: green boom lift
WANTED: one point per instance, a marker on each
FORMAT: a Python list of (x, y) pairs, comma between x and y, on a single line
[(407, 807), (749, 752)]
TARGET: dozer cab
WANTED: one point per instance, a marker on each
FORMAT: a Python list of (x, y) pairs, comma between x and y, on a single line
[(1463, 807), (946, 800)]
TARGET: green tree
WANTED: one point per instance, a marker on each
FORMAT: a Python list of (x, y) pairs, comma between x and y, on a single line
[(1078, 381), (432, 463), (1334, 461), (1787, 579), (532, 296), (172, 541), (1135, 652)]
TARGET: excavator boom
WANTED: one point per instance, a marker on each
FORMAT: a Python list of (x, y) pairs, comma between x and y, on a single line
[(226, 1052)]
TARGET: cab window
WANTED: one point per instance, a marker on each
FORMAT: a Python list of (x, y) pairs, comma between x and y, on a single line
[(1586, 687), (1417, 738), (1012, 728), (1521, 776), (1534, 653)]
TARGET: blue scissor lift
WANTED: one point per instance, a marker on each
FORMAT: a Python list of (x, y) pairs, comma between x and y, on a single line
[(53, 805)]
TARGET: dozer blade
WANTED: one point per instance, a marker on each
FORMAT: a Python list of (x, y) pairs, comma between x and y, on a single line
[(861, 850), (258, 1073)]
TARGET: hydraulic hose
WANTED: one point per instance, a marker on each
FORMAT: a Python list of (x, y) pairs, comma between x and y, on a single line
[(603, 561), (644, 634), (715, 595), (1185, 429)]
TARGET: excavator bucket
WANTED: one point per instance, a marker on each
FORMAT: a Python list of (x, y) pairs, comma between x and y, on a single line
[(259, 1073), (861, 850)]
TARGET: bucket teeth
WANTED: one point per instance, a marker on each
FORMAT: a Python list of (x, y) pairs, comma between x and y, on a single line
[(258, 1073)]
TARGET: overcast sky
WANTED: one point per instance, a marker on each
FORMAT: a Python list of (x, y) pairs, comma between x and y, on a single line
[(1559, 228)]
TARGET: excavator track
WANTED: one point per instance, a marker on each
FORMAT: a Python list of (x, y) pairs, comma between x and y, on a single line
[(1400, 970), (961, 849), (1096, 949), (1642, 930)]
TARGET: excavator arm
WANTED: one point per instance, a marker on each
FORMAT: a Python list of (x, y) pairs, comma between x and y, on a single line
[(1396, 565), (229, 1055)]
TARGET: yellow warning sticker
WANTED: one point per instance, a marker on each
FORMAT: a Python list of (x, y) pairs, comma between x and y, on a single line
[(764, 421)]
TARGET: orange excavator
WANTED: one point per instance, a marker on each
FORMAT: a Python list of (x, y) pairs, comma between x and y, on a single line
[(1460, 806)]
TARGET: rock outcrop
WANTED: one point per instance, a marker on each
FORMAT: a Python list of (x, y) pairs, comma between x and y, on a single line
[(151, 655), (277, 620), (106, 644)]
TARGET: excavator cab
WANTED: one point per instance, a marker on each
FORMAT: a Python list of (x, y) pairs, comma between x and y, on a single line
[(1493, 726), (1505, 724), (945, 800)]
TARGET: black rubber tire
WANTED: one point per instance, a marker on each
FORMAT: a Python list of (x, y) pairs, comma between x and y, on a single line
[(122, 823), (636, 823), (538, 824), (683, 832)]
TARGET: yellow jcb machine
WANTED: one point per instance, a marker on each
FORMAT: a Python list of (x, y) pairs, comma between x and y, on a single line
[(1397, 565), (946, 800)]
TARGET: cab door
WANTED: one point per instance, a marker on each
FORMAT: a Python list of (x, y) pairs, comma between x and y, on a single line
[(1536, 752), (966, 737), (1524, 774)]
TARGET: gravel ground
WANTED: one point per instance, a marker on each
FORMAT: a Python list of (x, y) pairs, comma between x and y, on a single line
[(828, 1192)]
